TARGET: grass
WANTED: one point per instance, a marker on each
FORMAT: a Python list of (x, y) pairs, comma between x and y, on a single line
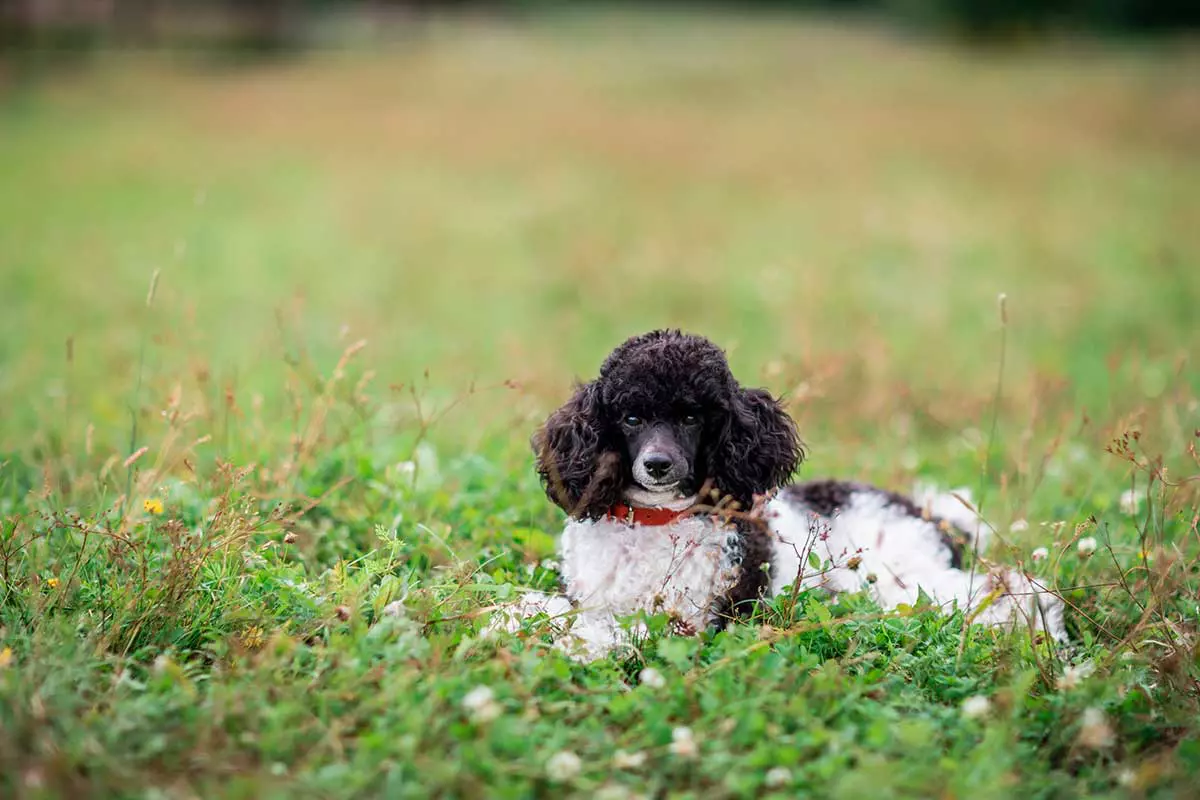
[(251, 522)]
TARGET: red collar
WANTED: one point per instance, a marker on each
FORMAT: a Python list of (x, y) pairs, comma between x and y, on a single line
[(634, 515)]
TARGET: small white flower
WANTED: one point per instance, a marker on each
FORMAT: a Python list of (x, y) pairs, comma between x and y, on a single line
[(976, 707), (395, 609), (1095, 732), (1040, 554), (481, 704), (563, 766), (1127, 777), (778, 776), (1073, 676), (477, 698), (624, 760), (683, 744), (1087, 545), (652, 678), (550, 564), (1019, 525), (1131, 501)]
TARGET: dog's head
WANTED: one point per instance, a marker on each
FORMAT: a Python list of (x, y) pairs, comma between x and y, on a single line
[(664, 417)]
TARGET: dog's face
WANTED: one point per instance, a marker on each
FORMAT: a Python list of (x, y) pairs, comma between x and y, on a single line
[(664, 417), (661, 448), (666, 399)]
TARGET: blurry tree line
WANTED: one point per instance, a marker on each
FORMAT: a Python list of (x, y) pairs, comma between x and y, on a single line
[(279, 25)]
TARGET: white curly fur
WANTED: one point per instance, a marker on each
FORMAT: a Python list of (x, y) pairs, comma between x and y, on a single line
[(875, 546)]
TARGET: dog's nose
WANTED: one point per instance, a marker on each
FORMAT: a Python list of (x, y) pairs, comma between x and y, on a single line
[(657, 466)]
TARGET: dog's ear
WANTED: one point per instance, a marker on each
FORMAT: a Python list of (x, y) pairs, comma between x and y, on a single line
[(579, 469), (757, 449)]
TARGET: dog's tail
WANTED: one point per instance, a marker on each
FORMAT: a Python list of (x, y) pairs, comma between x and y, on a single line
[(1025, 597)]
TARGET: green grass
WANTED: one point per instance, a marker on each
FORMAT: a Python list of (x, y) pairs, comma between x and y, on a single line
[(492, 208)]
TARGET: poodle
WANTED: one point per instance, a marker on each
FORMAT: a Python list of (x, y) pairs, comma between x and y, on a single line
[(674, 480)]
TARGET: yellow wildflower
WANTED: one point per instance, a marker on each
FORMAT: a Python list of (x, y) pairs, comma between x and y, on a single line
[(153, 505), (252, 637), (52, 583), (6, 657)]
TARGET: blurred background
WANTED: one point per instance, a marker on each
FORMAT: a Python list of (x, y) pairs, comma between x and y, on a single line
[(836, 191), (286, 24), (286, 286)]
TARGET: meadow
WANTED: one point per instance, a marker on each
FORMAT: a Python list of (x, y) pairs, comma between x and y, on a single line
[(275, 336)]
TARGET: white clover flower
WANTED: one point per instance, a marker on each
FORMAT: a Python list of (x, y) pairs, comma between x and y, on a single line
[(777, 777), (683, 743), (1095, 732), (563, 766), (1073, 676), (1040, 554), (477, 698), (1086, 546), (976, 707), (1019, 525), (652, 678), (480, 703), (624, 760), (1131, 501), (1127, 777)]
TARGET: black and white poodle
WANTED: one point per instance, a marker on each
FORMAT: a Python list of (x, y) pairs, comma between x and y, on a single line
[(671, 472)]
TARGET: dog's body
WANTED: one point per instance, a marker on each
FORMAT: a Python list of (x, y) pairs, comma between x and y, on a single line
[(663, 465)]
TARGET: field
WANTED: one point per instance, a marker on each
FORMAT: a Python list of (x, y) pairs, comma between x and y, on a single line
[(275, 336)]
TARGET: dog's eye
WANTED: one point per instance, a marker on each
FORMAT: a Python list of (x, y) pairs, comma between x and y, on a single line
[(690, 419), (633, 421)]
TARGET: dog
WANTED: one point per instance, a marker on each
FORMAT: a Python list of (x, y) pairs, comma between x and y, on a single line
[(675, 481)]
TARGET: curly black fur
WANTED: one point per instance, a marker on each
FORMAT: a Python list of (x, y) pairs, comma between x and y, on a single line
[(579, 467), (753, 558), (748, 447)]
